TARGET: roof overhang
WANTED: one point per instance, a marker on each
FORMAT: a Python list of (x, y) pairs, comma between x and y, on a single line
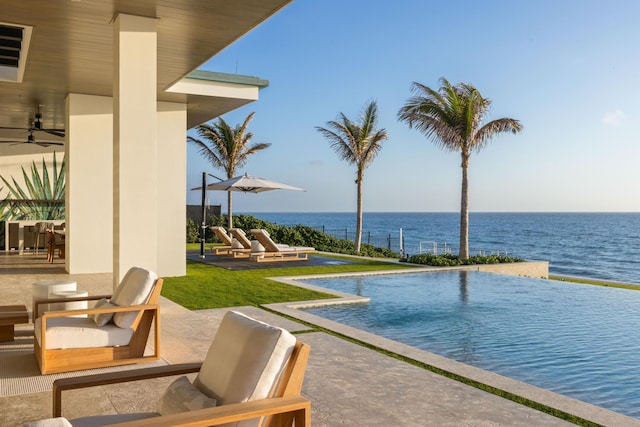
[(210, 94), (71, 51)]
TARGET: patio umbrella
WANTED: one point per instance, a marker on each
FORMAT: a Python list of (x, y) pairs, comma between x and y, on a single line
[(248, 184), (244, 183)]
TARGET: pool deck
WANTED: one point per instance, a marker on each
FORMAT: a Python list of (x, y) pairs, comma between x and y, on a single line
[(347, 383)]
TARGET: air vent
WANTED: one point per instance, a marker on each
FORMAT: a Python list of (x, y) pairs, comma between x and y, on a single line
[(14, 45)]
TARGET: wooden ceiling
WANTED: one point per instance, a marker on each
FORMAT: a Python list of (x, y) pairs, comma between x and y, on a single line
[(71, 49)]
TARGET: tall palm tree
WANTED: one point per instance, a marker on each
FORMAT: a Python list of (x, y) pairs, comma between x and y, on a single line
[(452, 118), (358, 144), (227, 148)]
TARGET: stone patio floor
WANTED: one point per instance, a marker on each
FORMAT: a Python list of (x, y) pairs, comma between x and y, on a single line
[(347, 384)]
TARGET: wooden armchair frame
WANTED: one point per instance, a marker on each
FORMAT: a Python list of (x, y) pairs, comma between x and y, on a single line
[(74, 359), (281, 410)]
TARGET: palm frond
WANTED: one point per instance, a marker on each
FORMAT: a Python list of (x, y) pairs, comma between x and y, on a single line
[(43, 197)]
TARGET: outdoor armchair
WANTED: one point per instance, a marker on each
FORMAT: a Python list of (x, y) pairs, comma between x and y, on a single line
[(114, 332), (253, 372)]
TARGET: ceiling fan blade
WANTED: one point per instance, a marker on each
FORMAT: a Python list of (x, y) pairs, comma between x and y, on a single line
[(48, 143), (13, 128), (56, 132)]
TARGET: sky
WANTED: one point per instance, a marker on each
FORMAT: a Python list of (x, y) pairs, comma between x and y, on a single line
[(568, 70)]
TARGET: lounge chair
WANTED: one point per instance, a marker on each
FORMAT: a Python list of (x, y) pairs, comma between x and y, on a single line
[(241, 248), (222, 235), (113, 332), (277, 252), (252, 372)]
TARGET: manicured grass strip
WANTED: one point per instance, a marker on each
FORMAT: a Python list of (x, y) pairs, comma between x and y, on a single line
[(206, 286), (595, 282), (493, 390)]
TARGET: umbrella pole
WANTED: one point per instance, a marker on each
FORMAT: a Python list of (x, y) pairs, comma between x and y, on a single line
[(204, 213)]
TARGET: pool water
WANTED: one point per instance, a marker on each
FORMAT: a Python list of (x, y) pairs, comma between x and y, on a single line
[(582, 341)]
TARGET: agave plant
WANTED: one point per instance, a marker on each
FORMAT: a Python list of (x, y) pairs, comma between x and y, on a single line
[(43, 198)]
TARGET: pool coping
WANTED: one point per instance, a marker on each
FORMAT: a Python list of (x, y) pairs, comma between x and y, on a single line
[(533, 393)]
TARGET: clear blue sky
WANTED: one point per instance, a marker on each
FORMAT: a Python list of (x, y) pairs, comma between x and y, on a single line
[(569, 70)]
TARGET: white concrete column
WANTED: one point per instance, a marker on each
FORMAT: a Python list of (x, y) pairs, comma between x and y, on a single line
[(172, 184), (135, 155), (89, 184)]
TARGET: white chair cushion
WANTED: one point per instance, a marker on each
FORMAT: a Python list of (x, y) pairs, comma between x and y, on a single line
[(244, 360), (102, 319), (81, 332), (134, 289), (182, 396)]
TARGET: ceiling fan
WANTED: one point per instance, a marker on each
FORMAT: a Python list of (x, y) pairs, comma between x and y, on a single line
[(31, 139), (37, 126)]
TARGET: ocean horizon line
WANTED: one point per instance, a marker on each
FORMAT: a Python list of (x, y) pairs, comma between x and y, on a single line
[(437, 212)]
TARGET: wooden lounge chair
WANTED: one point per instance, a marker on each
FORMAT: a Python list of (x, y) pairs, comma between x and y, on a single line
[(114, 332), (222, 235), (242, 248), (277, 252), (261, 382)]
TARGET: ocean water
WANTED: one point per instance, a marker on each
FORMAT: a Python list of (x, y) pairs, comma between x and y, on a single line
[(594, 245)]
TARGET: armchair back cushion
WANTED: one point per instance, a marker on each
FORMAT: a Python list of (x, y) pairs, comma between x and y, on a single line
[(134, 289), (245, 360)]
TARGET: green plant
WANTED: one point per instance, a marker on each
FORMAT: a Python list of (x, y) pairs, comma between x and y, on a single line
[(43, 197), (449, 260), (193, 231)]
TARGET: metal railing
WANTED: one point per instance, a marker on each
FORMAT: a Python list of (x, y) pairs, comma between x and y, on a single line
[(386, 241), (435, 248)]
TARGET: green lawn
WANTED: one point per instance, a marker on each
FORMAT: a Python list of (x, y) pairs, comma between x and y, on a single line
[(207, 286)]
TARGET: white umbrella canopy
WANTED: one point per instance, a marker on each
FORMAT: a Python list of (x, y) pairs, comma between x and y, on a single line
[(248, 184)]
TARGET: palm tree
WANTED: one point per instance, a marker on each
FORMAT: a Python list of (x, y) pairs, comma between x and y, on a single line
[(358, 144), (452, 118), (227, 148)]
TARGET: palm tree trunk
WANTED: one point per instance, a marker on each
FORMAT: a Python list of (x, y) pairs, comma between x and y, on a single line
[(230, 209), (358, 239), (464, 209)]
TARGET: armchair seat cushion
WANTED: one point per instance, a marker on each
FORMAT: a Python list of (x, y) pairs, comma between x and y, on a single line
[(79, 332)]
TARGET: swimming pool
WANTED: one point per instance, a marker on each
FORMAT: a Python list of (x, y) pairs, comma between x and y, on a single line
[(578, 340)]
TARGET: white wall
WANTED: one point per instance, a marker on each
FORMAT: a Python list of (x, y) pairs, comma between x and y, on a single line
[(89, 196)]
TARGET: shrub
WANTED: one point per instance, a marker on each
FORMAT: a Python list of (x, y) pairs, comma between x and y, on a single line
[(193, 232), (449, 260)]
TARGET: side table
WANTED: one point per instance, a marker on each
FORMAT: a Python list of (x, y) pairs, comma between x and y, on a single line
[(11, 315), (43, 289)]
